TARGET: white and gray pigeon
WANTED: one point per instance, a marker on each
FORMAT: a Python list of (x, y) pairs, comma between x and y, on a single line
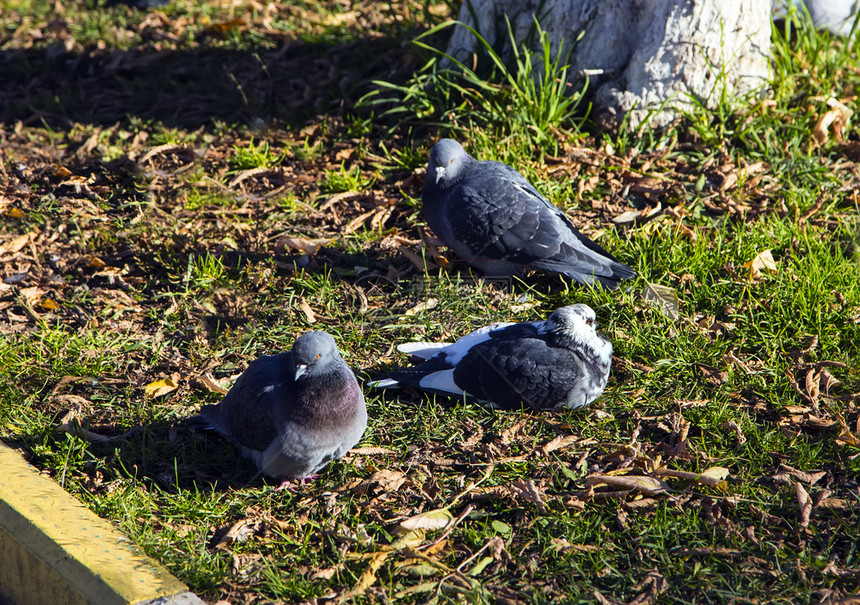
[(294, 412), (494, 219), (562, 362)]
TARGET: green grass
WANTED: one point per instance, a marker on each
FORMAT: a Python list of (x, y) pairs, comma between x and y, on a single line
[(173, 267)]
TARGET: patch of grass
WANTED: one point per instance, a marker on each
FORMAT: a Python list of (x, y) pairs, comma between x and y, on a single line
[(254, 156), (527, 99), (171, 267), (345, 179)]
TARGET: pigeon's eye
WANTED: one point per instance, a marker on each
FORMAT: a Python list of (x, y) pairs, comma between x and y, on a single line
[(589, 321), (452, 161), (317, 357)]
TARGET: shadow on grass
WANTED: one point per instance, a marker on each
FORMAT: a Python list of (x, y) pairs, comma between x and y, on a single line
[(187, 88)]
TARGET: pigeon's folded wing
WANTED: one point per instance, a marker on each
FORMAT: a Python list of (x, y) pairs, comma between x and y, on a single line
[(512, 372)]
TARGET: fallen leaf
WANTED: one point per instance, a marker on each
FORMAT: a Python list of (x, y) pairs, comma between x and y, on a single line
[(48, 304), (641, 483), (810, 478), (805, 503), (370, 451), (386, 480), (161, 387), (212, 385), (430, 303), (663, 298), (306, 309), (763, 261), (838, 116), (705, 551), (435, 519), (714, 476), (15, 244), (530, 492), (241, 531), (302, 244), (559, 442), (734, 426)]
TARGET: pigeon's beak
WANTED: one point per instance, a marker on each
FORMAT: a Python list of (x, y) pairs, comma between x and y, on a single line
[(300, 370), (440, 170)]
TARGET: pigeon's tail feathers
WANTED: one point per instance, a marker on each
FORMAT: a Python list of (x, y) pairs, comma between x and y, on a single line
[(384, 383), (208, 419), (608, 274), (422, 350)]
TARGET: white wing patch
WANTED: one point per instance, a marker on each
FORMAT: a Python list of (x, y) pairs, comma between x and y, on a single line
[(422, 350), (383, 384), (441, 381)]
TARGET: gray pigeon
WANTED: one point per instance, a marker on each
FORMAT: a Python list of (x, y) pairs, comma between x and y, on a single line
[(294, 412), (493, 218), (562, 362)]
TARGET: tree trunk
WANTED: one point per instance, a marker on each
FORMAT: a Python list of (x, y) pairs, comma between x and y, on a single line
[(647, 60)]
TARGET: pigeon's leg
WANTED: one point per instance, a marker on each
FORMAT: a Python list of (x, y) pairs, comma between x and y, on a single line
[(286, 484), (291, 485)]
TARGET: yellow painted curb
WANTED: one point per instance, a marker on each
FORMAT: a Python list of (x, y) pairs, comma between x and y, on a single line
[(54, 550)]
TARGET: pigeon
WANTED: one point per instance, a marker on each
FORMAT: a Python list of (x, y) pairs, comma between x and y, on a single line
[(294, 412), (493, 218), (562, 362)]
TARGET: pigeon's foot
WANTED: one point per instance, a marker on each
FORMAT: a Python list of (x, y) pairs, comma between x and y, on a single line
[(292, 485), (286, 484)]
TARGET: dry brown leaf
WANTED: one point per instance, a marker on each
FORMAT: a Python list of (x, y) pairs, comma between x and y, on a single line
[(169, 147), (370, 451), (426, 305), (762, 262), (734, 426), (730, 553), (810, 478), (838, 116), (846, 437), (530, 492), (303, 244), (388, 480), (641, 483), (15, 244), (509, 434), (306, 309), (805, 503), (656, 585), (241, 531), (212, 385), (559, 442)]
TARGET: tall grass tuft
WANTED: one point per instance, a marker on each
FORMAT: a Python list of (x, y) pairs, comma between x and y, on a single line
[(528, 97)]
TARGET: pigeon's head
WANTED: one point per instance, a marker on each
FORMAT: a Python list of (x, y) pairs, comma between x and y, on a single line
[(577, 324), (313, 352), (446, 163)]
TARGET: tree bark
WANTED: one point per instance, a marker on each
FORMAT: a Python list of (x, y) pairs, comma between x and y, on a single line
[(647, 60)]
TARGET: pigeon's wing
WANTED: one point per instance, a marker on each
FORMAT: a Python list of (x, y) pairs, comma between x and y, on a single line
[(252, 412), (423, 350), (501, 216), (510, 373)]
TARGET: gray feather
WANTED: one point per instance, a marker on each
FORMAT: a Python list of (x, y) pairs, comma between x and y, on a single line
[(557, 363), (493, 218), (294, 412)]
